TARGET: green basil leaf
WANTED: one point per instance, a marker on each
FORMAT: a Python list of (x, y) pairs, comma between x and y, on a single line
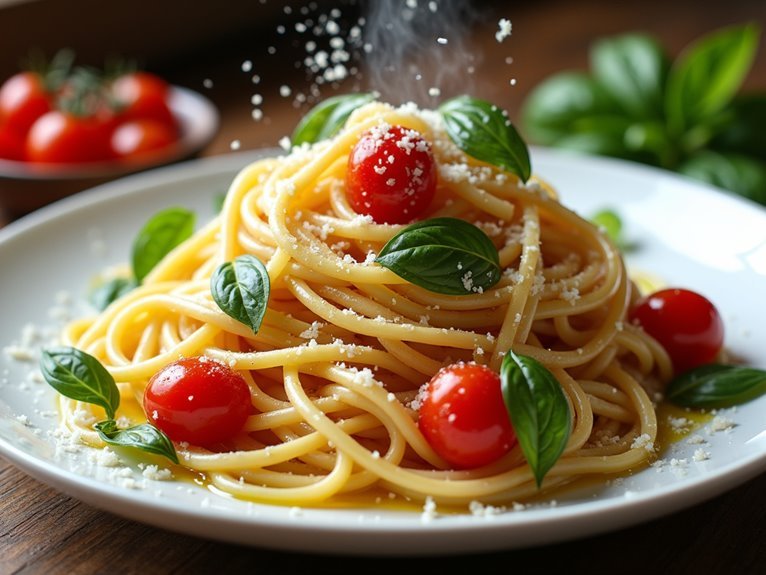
[(145, 437), (241, 290), (745, 130), (602, 135), (443, 255), (632, 68), (557, 104), (327, 118), (484, 132), (708, 74), (731, 172), (649, 142), (109, 291), (163, 232), (717, 386), (610, 222), (538, 409), (218, 201), (80, 376)]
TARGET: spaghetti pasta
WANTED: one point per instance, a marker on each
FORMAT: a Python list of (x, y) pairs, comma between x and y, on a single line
[(336, 368)]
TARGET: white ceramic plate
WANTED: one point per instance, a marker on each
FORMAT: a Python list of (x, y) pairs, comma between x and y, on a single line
[(687, 234)]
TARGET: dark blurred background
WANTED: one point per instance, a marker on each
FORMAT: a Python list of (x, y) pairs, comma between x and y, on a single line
[(203, 45)]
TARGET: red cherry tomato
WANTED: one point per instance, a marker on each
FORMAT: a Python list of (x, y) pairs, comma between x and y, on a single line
[(144, 96), (139, 138), (23, 99), (11, 145), (198, 400), (685, 323), (58, 137), (464, 418), (391, 175)]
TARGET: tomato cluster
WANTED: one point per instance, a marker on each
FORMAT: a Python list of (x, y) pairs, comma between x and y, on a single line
[(77, 116)]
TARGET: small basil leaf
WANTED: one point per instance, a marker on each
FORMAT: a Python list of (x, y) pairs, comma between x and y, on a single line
[(538, 409), (443, 255), (732, 172), (163, 232), (716, 386), (555, 105), (145, 437), (632, 68), (110, 291), (610, 222), (325, 119), (745, 130), (484, 132), (706, 76), (80, 376), (241, 290)]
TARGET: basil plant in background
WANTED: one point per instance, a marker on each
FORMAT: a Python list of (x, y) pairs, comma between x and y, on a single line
[(686, 115)]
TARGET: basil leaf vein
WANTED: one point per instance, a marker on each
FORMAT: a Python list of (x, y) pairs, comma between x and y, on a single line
[(163, 232), (241, 289), (716, 385), (538, 409), (483, 131), (145, 437), (328, 117), (443, 255), (80, 376)]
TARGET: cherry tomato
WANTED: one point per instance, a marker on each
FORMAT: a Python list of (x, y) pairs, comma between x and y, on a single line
[(464, 418), (685, 323), (140, 138), (58, 137), (23, 99), (391, 175), (11, 145), (198, 400), (142, 95)]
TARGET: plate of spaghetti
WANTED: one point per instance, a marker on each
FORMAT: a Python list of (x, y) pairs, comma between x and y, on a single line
[(408, 334)]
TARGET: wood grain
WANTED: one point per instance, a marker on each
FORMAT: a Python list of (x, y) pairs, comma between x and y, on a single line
[(45, 532)]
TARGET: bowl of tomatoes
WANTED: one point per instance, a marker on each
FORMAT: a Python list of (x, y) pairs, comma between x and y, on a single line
[(64, 129)]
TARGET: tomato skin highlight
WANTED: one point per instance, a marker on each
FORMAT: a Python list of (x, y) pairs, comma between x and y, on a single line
[(685, 323), (198, 400), (463, 416), (144, 96), (139, 138), (391, 175), (23, 99)]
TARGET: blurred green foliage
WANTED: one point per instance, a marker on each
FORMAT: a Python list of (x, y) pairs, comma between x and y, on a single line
[(686, 115)]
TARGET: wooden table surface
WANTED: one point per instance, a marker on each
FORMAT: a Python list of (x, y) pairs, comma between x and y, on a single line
[(43, 531)]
